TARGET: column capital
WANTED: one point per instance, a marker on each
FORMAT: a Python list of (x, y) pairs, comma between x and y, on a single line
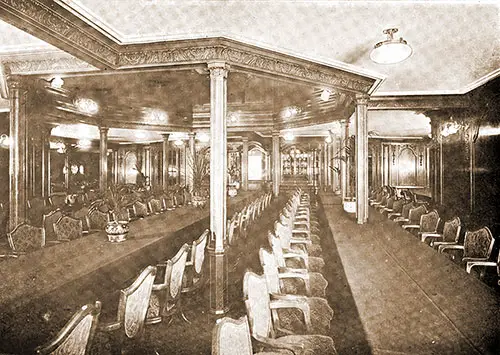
[(362, 99), (103, 129), (245, 139), (218, 69), (192, 135), (275, 134), (147, 147), (165, 136)]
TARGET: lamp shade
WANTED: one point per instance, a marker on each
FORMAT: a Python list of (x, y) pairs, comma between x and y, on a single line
[(391, 50)]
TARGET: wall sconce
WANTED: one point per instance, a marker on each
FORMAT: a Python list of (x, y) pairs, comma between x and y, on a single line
[(74, 169), (289, 136), (178, 142), (57, 82), (450, 128), (325, 95), (203, 137), (328, 139), (4, 141), (87, 106), (421, 159), (84, 144)]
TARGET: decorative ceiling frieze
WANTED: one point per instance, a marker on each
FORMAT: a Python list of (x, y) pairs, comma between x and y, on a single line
[(47, 66), (427, 102), (58, 26)]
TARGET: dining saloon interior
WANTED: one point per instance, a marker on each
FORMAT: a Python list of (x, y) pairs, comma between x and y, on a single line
[(240, 177)]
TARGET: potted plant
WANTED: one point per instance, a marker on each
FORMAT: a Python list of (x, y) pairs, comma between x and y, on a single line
[(200, 167), (118, 200)]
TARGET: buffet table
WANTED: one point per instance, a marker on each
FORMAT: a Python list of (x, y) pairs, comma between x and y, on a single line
[(41, 290)]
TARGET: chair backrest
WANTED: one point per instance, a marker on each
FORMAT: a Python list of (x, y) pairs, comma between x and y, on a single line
[(231, 336), (277, 248), (451, 230), (405, 211), (134, 301), (68, 228), (175, 269), (97, 220), (58, 200), (478, 244), (140, 209), (83, 215), (26, 238), (429, 222), (36, 203), (76, 336), (397, 207), (48, 223), (415, 214), (258, 305), (270, 267), (155, 205), (198, 251), (231, 228)]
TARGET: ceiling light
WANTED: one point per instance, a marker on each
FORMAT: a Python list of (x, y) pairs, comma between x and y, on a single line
[(4, 141), (84, 144), (85, 105), (325, 95), (156, 115), (391, 50), (140, 134), (203, 137), (56, 82), (288, 136)]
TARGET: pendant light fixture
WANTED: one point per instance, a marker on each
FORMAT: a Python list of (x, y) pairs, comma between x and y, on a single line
[(391, 50)]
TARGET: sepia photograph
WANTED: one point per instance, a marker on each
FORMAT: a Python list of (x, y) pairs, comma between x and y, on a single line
[(238, 177)]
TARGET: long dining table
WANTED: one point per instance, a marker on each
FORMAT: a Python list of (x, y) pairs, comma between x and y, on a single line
[(40, 291)]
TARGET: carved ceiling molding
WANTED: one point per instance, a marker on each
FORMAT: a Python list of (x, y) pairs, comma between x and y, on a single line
[(244, 56), (56, 25), (50, 22), (47, 66), (433, 102)]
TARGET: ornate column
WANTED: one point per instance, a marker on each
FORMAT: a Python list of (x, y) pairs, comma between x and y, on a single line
[(320, 166), (192, 154), (436, 161), (334, 162), (17, 155), (218, 187), (344, 174), (103, 158), (328, 182), (361, 158), (276, 166), (244, 165), (115, 167), (166, 152), (45, 163)]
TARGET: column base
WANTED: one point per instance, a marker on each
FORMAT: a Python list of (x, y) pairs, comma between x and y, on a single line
[(218, 268)]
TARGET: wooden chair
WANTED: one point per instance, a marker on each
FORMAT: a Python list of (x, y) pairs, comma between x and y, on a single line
[(37, 203), (132, 308), (154, 205), (485, 264), (232, 226), (264, 320), (194, 275), (429, 223), (397, 209), (97, 220), (48, 224), (76, 336), (321, 311), (477, 246), (166, 295), (68, 228), (57, 200), (451, 233), (231, 337), (414, 217), (405, 212), (25, 238), (140, 209), (83, 215)]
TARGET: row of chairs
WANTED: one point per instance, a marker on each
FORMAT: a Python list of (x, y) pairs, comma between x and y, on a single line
[(153, 297), (477, 245), (286, 308)]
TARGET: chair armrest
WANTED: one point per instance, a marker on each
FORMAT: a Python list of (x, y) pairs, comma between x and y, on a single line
[(471, 264), (442, 248), (294, 303), (296, 349), (293, 270), (278, 296), (424, 236), (189, 263), (300, 241), (109, 327), (410, 226)]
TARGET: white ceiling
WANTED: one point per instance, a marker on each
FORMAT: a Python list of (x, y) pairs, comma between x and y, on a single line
[(455, 43)]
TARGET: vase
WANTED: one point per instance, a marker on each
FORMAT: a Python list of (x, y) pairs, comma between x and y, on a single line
[(199, 201), (232, 191), (117, 231)]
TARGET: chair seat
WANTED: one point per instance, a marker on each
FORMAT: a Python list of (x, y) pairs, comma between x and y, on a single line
[(312, 249), (316, 264), (296, 286), (311, 344), (321, 316)]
